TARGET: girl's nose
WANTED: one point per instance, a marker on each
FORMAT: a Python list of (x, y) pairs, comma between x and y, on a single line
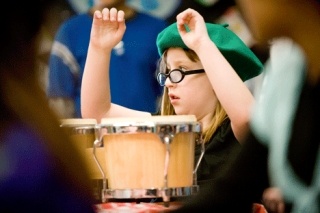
[(168, 83)]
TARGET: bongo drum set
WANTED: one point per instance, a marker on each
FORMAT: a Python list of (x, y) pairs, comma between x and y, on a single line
[(142, 157)]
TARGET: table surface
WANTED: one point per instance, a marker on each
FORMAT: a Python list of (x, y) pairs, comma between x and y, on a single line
[(133, 207)]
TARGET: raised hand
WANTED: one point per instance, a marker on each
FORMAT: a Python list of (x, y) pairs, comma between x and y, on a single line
[(108, 28), (196, 31)]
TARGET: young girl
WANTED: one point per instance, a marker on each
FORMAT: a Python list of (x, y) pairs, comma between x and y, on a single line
[(203, 67)]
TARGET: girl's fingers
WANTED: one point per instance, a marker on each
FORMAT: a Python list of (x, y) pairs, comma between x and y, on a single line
[(182, 28), (106, 14), (120, 15), (185, 16), (97, 14), (113, 14), (109, 15)]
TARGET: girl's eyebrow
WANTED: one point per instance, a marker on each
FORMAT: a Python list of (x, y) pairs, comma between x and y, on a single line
[(181, 63)]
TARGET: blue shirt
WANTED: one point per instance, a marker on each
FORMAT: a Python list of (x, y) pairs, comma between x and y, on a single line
[(132, 68)]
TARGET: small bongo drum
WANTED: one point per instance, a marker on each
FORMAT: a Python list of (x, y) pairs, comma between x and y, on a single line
[(149, 157)]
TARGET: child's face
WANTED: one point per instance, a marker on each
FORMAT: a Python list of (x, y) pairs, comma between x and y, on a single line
[(194, 94)]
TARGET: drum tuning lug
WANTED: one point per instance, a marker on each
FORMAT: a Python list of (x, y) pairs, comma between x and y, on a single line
[(167, 139), (166, 134), (97, 143)]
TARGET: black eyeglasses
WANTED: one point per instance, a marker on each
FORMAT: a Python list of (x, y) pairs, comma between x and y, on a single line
[(176, 75)]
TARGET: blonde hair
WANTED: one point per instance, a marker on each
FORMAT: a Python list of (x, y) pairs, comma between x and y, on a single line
[(219, 114)]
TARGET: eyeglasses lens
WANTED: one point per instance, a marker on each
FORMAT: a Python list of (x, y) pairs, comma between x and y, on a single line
[(175, 76), (162, 79)]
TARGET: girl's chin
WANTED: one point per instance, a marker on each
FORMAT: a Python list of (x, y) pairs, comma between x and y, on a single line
[(179, 112)]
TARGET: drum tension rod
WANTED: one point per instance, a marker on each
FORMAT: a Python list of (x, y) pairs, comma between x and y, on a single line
[(98, 142), (166, 135)]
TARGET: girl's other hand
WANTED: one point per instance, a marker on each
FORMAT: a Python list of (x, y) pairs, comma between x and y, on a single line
[(192, 28), (108, 28)]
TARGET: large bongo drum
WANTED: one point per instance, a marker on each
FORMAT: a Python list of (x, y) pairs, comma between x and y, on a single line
[(149, 157), (83, 133)]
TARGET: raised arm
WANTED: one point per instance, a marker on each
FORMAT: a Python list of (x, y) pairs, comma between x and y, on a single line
[(107, 30), (231, 91)]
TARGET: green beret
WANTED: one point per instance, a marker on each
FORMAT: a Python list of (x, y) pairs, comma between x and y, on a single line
[(237, 53)]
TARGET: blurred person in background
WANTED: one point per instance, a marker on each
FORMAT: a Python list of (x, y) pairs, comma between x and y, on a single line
[(282, 151), (40, 170), (130, 69)]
